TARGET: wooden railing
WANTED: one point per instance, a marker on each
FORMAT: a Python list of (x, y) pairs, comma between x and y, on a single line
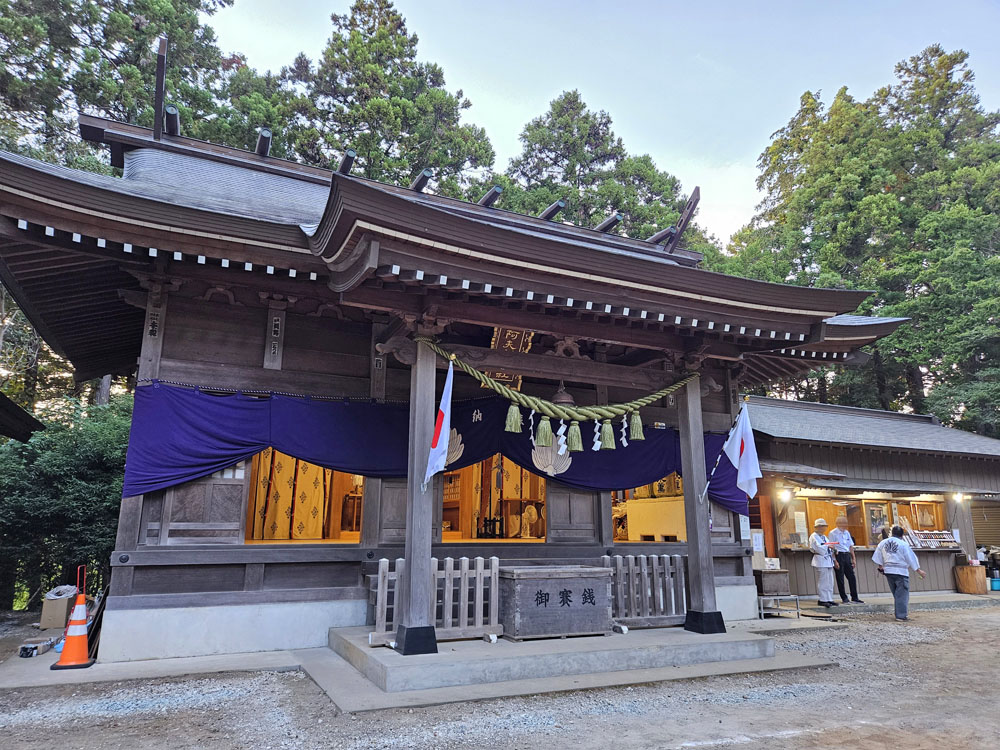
[(648, 591), (466, 605)]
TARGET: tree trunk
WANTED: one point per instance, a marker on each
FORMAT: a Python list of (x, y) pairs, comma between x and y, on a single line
[(8, 577), (821, 394), (915, 385), (881, 387), (103, 391)]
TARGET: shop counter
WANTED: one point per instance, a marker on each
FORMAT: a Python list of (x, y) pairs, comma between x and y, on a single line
[(937, 563)]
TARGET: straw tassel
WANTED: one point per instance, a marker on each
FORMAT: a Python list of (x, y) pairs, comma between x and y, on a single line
[(513, 419), (635, 426), (607, 436), (573, 438), (544, 436)]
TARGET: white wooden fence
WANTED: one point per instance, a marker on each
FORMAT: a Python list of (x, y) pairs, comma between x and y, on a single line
[(466, 604), (648, 591)]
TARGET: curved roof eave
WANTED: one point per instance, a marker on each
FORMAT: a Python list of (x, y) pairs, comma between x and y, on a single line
[(140, 210), (458, 232)]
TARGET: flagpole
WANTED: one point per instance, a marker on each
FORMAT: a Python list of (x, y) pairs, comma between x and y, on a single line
[(718, 459)]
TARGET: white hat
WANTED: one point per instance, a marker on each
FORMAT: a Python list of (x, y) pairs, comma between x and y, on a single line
[(820, 522)]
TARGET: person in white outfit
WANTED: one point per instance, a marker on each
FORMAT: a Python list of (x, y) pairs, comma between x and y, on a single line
[(824, 562), (895, 558)]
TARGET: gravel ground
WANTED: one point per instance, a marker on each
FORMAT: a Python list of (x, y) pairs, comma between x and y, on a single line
[(897, 685)]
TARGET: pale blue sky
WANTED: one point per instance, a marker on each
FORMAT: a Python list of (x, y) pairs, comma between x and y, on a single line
[(699, 86)]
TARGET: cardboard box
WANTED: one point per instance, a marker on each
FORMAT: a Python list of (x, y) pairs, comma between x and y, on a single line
[(55, 612)]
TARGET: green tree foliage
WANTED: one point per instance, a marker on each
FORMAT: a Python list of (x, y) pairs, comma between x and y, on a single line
[(369, 92), (572, 153), (59, 498), (899, 194), (58, 57)]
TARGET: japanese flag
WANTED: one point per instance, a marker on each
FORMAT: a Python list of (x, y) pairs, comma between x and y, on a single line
[(742, 453), (442, 428)]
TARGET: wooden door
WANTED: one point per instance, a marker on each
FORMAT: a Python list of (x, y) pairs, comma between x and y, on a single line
[(208, 510), (572, 514)]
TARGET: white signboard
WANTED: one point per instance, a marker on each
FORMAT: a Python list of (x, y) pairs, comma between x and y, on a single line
[(744, 527), (800, 522), (757, 538)]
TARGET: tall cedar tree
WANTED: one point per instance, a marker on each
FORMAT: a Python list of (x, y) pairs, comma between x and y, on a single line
[(368, 92), (572, 153), (897, 194)]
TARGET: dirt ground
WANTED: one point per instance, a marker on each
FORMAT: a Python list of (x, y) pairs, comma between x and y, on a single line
[(911, 685)]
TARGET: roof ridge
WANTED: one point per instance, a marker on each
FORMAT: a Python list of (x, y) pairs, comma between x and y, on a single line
[(875, 413)]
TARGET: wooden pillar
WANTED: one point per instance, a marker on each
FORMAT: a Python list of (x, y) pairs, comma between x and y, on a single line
[(415, 634), (371, 498), (703, 615)]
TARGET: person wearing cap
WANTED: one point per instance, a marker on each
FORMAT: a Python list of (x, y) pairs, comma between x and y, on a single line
[(824, 562), (895, 558), (846, 560)]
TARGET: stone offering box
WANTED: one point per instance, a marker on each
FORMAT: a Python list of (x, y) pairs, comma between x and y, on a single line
[(555, 601)]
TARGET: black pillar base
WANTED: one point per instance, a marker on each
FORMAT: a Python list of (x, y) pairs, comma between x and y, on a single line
[(704, 622), (418, 640)]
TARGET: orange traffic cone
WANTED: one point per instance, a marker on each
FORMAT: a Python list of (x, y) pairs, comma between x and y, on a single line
[(75, 654)]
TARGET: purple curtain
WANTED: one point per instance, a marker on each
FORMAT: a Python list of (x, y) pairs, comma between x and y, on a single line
[(180, 434)]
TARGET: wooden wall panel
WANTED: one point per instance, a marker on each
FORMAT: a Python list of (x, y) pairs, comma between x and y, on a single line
[(176, 579), (310, 575)]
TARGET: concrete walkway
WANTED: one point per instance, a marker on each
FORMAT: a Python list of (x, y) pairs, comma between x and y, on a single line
[(351, 691), (882, 603), (16, 672)]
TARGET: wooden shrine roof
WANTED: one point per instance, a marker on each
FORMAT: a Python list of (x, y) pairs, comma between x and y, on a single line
[(806, 422), (266, 222), (15, 422)]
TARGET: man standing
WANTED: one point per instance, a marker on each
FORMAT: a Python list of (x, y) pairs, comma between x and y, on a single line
[(823, 561), (895, 558), (847, 561)]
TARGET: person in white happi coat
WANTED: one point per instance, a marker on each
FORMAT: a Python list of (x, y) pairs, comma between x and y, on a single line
[(824, 562)]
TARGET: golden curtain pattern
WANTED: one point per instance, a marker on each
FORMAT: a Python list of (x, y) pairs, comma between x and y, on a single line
[(297, 500)]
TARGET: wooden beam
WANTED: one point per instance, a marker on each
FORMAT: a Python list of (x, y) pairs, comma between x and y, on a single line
[(415, 589), (263, 146), (173, 117), (545, 366), (371, 498), (152, 334), (686, 216), (160, 90), (552, 210), (490, 196), (609, 223), (703, 615), (421, 180), (347, 161)]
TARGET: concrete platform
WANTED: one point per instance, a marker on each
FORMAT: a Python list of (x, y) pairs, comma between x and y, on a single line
[(352, 692), (478, 662)]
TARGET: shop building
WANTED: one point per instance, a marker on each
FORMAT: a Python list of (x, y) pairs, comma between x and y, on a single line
[(876, 469)]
